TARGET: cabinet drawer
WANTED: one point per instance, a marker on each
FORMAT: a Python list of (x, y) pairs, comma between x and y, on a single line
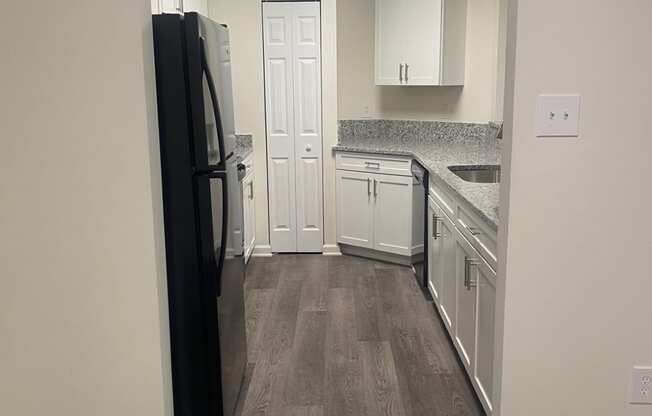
[(479, 235), (389, 165), (443, 199)]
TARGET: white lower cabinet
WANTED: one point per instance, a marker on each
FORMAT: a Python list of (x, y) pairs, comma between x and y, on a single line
[(462, 284), (393, 214), (435, 257), (374, 211), (441, 263), (486, 325), (249, 215), (355, 209), (466, 298)]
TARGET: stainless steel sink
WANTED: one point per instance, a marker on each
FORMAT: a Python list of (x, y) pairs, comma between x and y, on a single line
[(477, 174)]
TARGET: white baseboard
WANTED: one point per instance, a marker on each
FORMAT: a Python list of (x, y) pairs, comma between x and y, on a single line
[(376, 255), (331, 250), (262, 251)]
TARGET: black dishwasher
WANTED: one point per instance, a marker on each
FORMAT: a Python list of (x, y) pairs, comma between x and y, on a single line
[(419, 226)]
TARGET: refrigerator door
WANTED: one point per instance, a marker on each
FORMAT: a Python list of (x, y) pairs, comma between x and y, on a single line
[(222, 271), (211, 94)]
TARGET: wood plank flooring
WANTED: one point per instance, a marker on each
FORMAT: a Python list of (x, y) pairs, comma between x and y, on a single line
[(337, 336)]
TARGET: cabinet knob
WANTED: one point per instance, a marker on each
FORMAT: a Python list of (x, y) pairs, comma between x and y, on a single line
[(308, 148)]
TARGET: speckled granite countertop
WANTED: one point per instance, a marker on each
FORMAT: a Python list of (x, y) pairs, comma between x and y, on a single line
[(243, 146), (458, 146)]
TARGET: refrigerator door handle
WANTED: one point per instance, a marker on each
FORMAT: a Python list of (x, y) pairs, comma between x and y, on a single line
[(225, 224), (213, 92)]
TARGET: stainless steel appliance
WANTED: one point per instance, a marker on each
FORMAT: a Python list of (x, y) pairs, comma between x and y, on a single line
[(419, 217), (205, 271)]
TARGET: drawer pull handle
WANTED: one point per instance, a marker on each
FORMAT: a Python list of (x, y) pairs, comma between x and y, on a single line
[(474, 231), (374, 165), (468, 263), (435, 226)]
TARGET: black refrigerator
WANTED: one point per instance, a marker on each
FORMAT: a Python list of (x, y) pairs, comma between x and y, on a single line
[(205, 265)]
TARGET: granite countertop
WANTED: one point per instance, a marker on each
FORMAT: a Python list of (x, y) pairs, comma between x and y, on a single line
[(437, 154), (243, 146)]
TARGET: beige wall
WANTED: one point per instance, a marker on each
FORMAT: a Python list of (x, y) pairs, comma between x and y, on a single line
[(83, 304), (245, 22), (357, 90), (577, 278)]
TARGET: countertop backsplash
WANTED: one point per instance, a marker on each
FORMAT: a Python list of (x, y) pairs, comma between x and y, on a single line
[(243, 145), (426, 131)]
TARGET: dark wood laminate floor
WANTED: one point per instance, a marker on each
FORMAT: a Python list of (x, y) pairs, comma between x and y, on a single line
[(337, 336)]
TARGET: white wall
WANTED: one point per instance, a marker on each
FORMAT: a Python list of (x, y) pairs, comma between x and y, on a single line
[(329, 30), (83, 304), (577, 278), (244, 18), (476, 101)]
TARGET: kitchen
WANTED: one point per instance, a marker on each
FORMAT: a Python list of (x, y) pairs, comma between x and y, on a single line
[(374, 238)]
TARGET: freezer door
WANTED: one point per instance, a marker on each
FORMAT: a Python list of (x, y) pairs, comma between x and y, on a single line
[(223, 275), (210, 90)]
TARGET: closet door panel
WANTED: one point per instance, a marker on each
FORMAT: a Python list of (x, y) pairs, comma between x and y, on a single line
[(279, 96), (307, 125)]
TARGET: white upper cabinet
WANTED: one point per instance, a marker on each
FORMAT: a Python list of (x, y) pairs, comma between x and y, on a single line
[(420, 42), (180, 6), (199, 6)]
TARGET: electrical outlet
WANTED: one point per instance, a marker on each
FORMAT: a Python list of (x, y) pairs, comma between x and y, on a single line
[(641, 385), (558, 115)]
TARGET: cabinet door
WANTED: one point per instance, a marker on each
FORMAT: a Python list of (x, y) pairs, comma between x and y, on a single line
[(421, 28), (169, 6), (249, 216), (435, 266), (389, 41), (354, 209), (199, 6), (485, 318), (393, 214), (466, 301), (448, 292)]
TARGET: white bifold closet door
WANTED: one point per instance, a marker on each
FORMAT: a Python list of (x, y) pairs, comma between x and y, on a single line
[(292, 53)]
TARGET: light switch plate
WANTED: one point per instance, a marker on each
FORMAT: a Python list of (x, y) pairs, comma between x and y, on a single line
[(558, 115), (641, 387)]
